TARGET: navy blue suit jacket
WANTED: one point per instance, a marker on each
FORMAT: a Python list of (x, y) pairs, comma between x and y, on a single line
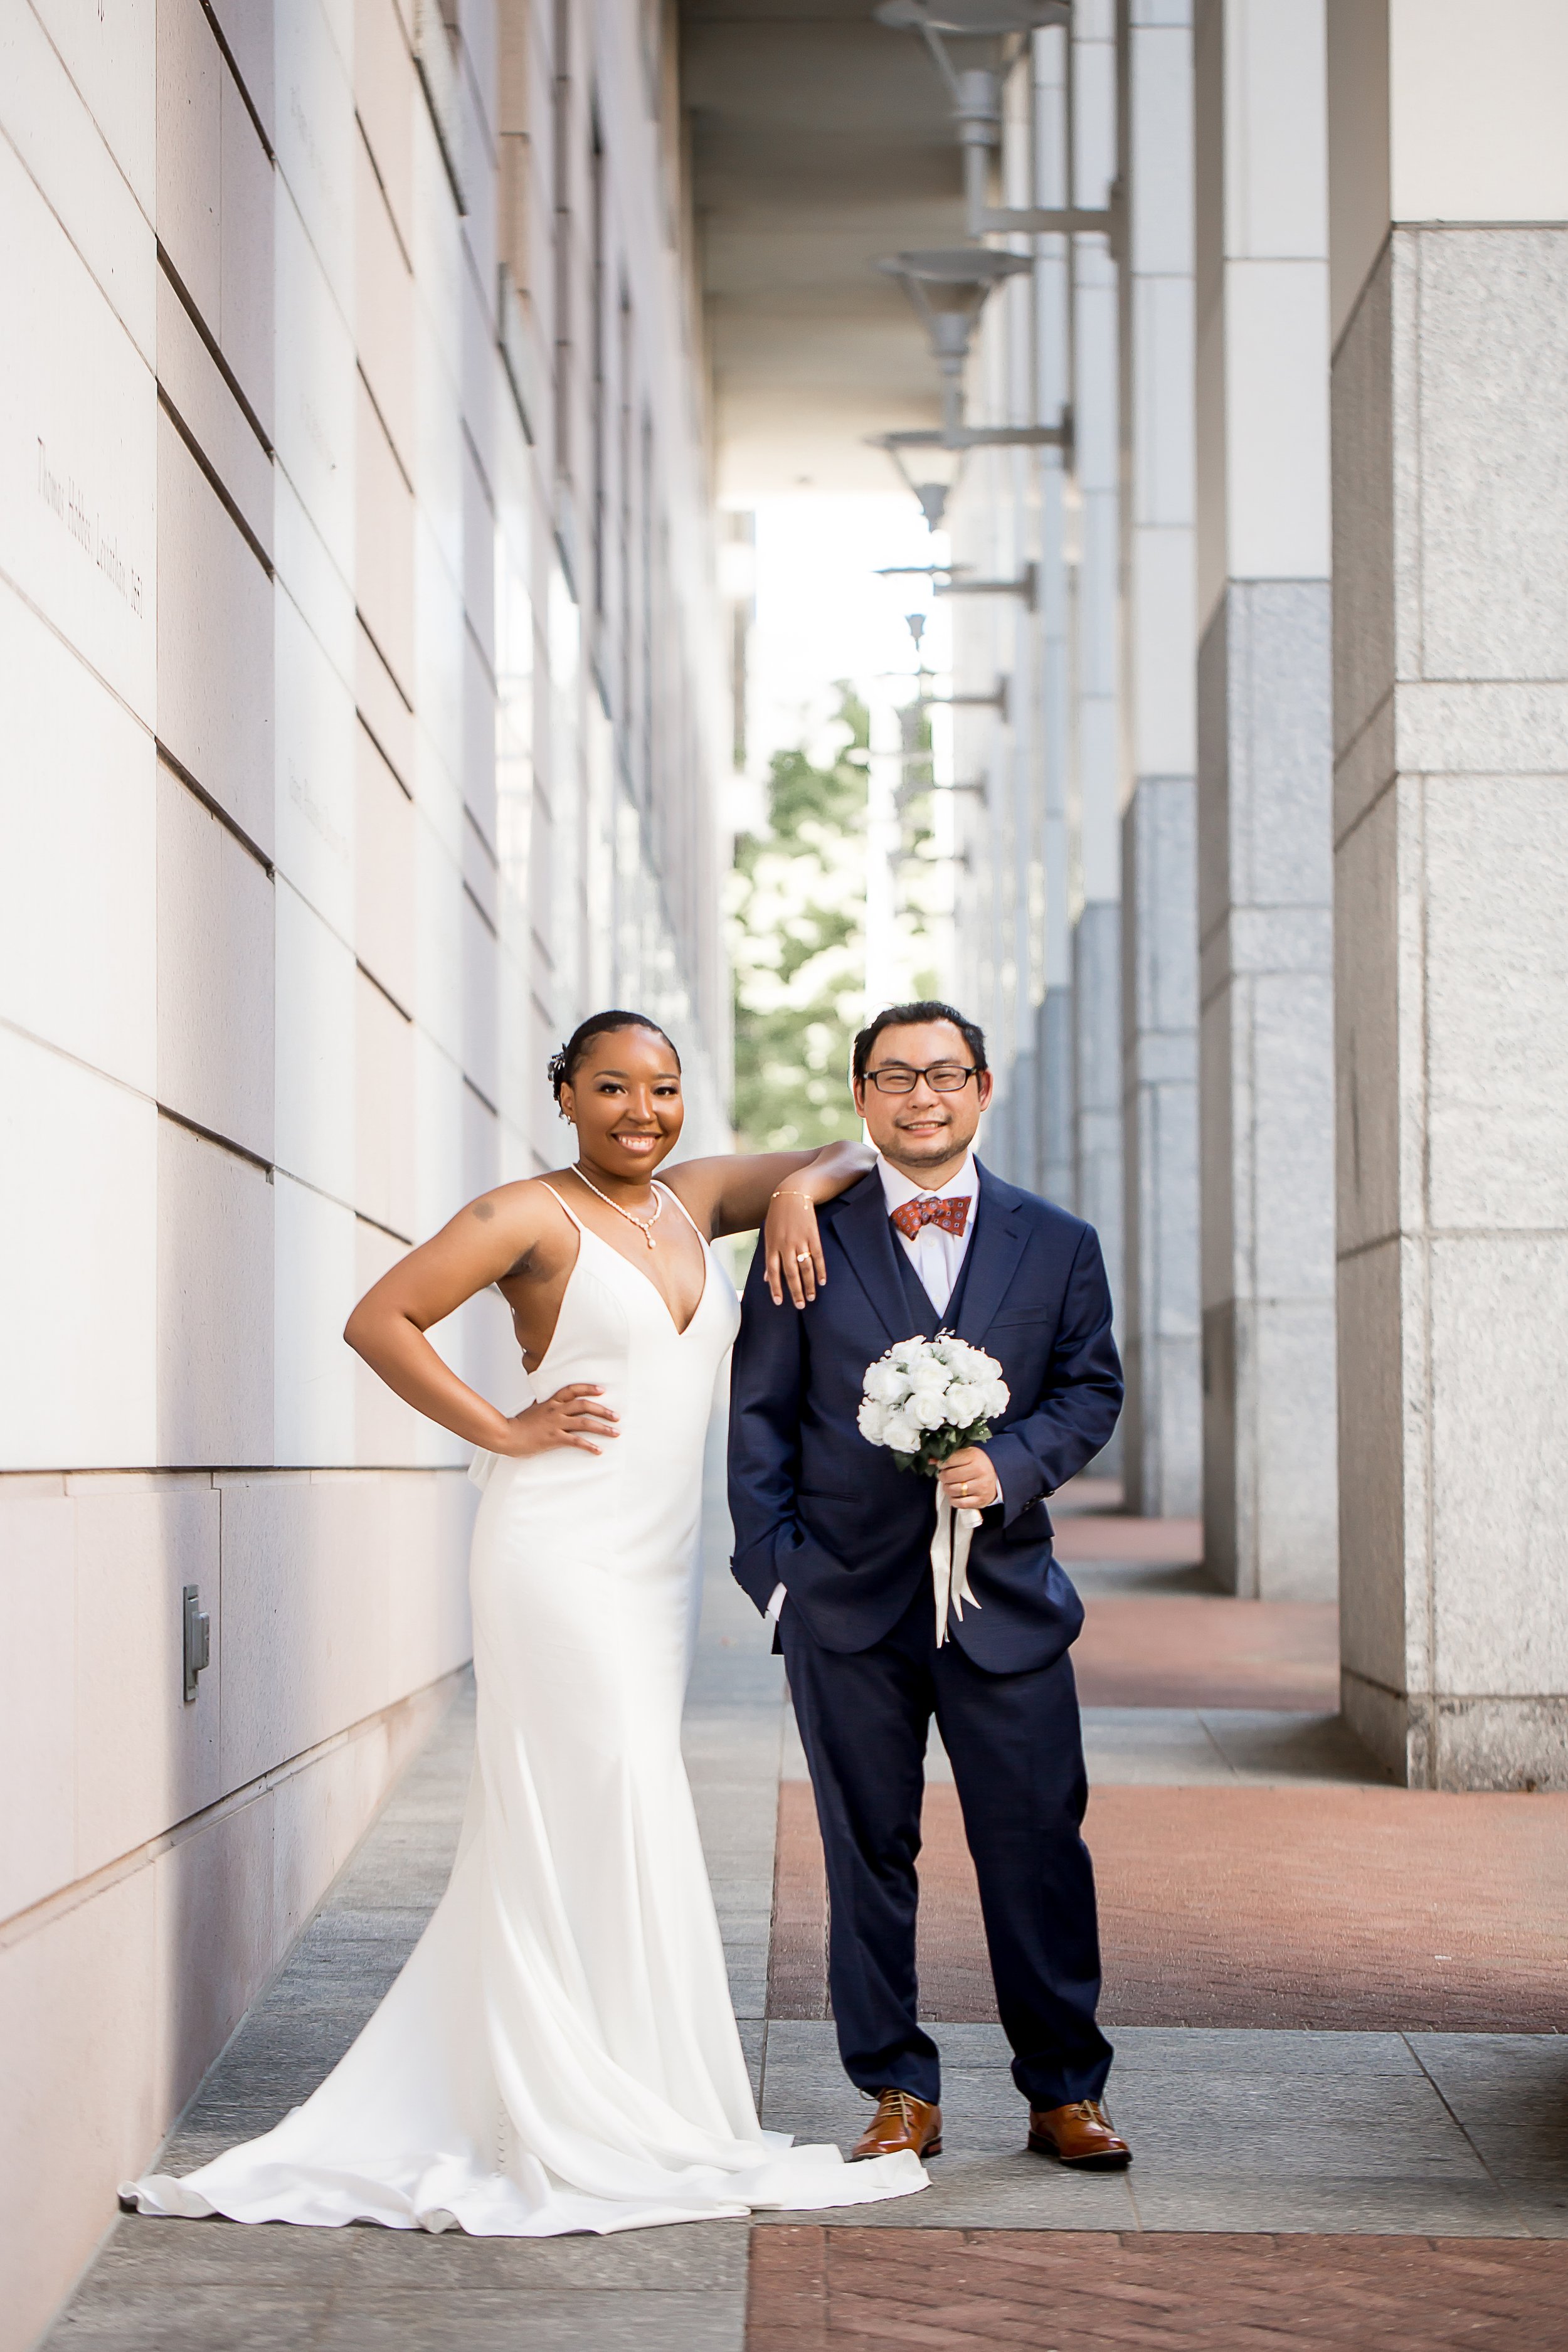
[(820, 1510)]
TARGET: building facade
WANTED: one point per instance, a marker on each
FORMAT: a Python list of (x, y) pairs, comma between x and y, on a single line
[(365, 707)]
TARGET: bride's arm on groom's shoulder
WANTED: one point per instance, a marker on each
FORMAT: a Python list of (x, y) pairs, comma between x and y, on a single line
[(516, 1229), (777, 1191)]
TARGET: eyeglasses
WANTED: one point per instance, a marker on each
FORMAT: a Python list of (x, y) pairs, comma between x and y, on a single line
[(942, 1077)]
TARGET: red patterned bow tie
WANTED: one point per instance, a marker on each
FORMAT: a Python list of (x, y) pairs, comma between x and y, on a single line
[(950, 1214)]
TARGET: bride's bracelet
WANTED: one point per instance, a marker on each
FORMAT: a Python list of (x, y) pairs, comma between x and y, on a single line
[(781, 1195)]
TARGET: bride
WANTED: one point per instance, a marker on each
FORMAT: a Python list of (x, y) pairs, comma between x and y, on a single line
[(560, 2053)]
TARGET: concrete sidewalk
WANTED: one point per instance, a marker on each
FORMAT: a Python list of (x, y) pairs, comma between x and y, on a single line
[(1315, 2153)]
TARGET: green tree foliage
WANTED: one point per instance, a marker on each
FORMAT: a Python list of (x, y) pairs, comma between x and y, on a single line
[(797, 906)]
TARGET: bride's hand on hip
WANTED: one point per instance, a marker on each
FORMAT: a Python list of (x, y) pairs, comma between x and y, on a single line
[(791, 1248), (574, 1415)]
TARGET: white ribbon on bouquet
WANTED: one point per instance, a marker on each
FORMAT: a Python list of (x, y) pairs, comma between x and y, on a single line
[(925, 1398), (949, 1560)]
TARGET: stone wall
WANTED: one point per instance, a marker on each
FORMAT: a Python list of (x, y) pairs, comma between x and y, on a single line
[(364, 708)]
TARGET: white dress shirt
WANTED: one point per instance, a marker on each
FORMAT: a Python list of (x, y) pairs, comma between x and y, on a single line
[(935, 1253)]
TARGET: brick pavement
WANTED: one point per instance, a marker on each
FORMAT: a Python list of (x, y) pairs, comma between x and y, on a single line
[(1102, 1536), (1186, 1648), (816, 2289), (1205, 1650), (1331, 1907), (1319, 1907)]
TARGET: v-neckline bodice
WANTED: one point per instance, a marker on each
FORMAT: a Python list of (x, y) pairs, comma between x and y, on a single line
[(679, 1330)]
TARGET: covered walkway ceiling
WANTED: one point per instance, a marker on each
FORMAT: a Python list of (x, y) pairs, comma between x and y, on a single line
[(819, 141)]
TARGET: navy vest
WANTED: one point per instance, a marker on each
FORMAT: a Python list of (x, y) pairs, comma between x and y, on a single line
[(923, 1316)]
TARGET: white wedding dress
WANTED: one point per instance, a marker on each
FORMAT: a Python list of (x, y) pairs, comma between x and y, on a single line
[(560, 2053)]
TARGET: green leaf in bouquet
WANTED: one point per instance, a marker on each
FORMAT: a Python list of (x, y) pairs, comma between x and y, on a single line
[(941, 1446)]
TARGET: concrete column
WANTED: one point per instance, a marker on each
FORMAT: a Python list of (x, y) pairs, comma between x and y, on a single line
[(1054, 1025), (1162, 1422), (1264, 778), (1097, 1080), (1054, 1112), (1449, 177), (1018, 636), (1095, 864)]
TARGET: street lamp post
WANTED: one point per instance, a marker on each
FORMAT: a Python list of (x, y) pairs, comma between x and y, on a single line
[(948, 289), (976, 95)]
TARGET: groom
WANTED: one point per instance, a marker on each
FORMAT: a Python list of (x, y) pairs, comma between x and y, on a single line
[(833, 1542)]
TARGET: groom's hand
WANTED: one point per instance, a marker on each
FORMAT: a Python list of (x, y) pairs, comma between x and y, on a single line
[(968, 1480)]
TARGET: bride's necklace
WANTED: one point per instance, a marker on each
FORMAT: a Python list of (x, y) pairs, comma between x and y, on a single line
[(645, 1225)]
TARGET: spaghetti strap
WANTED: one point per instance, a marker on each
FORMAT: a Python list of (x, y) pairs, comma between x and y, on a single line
[(684, 1210), (556, 1197)]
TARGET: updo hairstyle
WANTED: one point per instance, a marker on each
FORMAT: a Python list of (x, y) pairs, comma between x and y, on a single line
[(561, 1068)]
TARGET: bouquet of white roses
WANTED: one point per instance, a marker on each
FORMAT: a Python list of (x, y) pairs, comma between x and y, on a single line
[(925, 1400)]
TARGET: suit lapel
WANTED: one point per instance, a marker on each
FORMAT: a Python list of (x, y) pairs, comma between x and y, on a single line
[(861, 1224), (998, 1243)]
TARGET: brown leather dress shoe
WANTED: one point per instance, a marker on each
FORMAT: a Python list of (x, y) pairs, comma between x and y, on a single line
[(1079, 2135), (901, 2121)]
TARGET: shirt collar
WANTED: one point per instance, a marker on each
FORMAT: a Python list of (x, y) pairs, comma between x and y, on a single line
[(897, 1188)]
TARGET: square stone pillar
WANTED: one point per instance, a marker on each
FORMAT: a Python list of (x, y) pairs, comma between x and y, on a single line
[(1160, 1334), (1093, 797), (1263, 800), (1450, 212), (1053, 1062), (1055, 1109), (1162, 1422), (1096, 998)]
